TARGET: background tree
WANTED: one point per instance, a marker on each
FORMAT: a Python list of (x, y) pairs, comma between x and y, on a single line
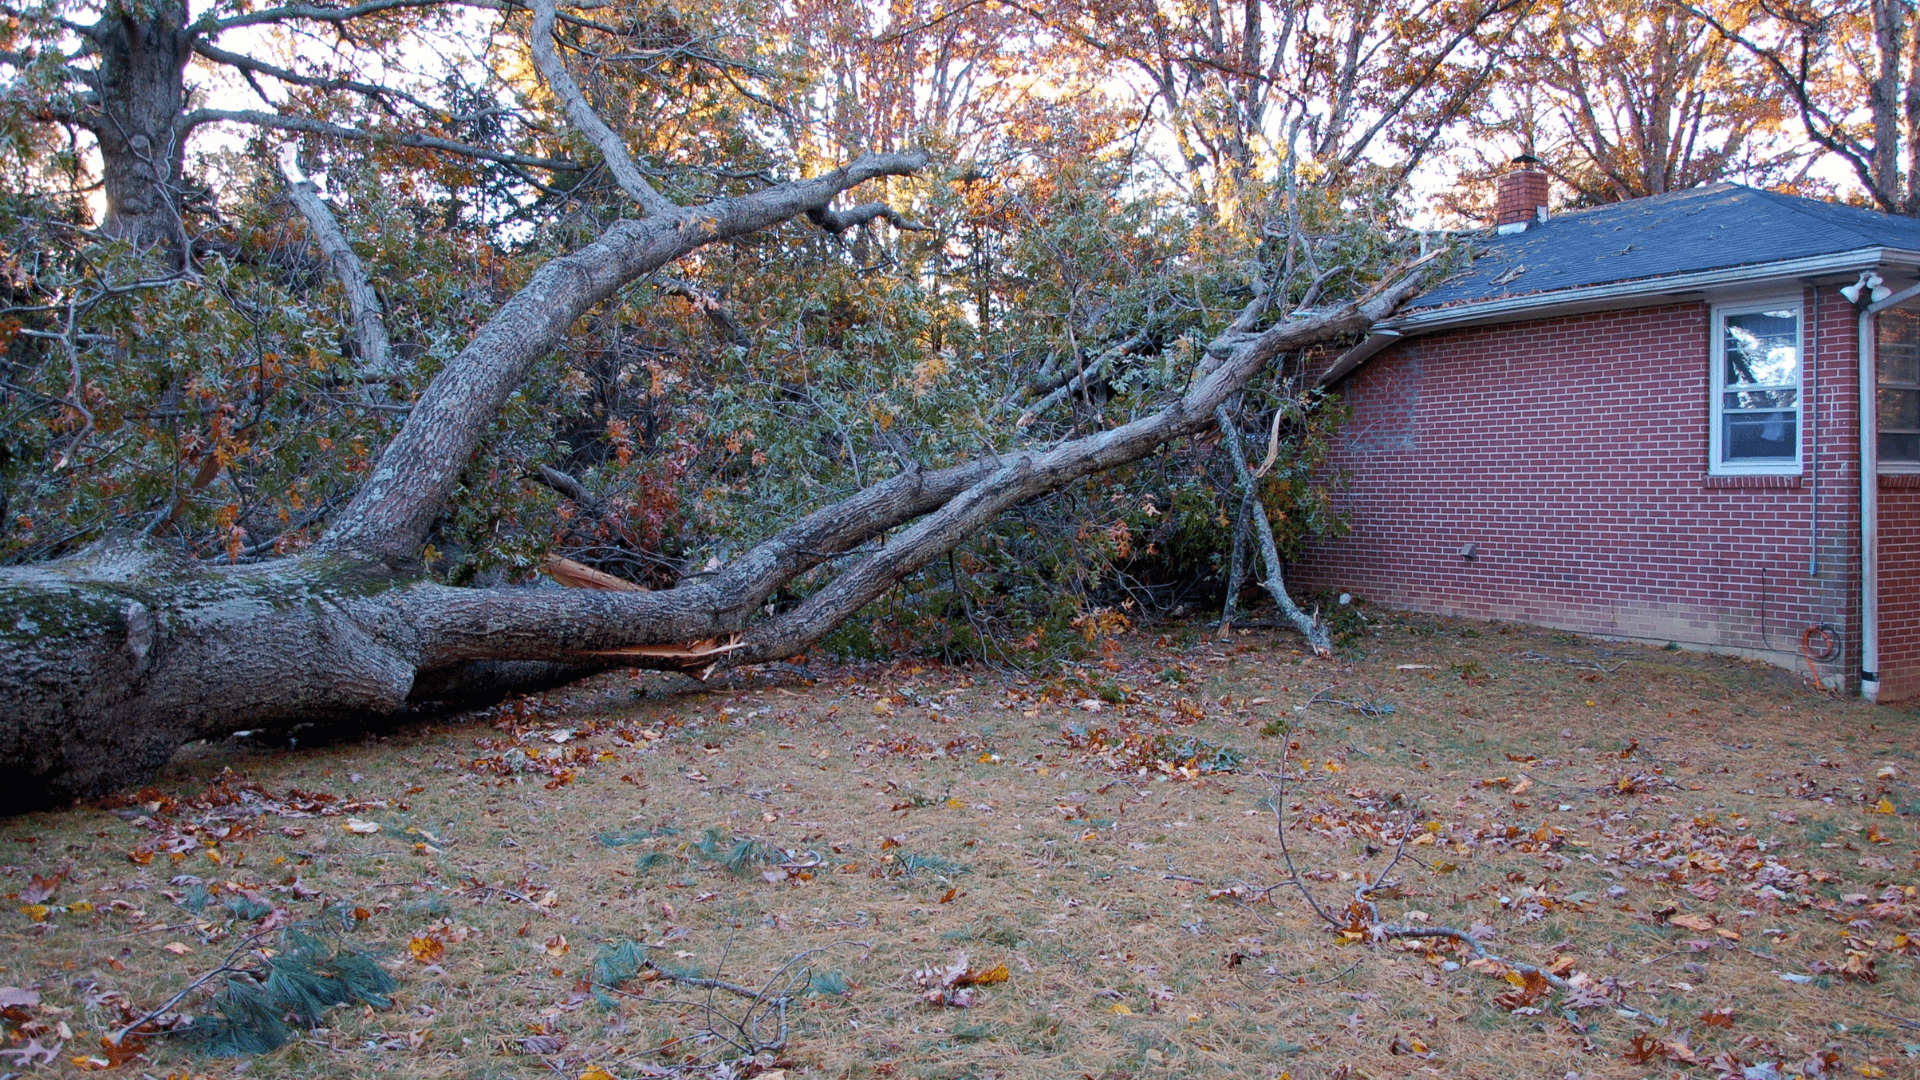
[(1622, 101), (1852, 72)]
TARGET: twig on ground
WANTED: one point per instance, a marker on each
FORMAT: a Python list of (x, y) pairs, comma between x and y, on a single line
[(1377, 931), (1337, 976), (772, 998), (508, 893), (1910, 1025), (226, 967), (1276, 797)]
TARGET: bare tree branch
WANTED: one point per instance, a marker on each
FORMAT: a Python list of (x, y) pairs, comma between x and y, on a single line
[(392, 512), (1819, 125), (363, 304), (1310, 626), (245, 63), (625, 170), (316, 13), (309, 126), (839, 221)]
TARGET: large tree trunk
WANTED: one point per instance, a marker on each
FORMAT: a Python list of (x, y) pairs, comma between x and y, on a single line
[(143, 51), (112, 659)]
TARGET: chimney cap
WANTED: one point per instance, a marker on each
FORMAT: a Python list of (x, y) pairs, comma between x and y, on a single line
[(1526, 161)]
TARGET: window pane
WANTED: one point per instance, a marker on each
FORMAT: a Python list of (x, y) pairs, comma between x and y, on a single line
[(1899, 409), (1895, 446), (1761, 436), (1762, 399), (1762, 349), (1898, 348)]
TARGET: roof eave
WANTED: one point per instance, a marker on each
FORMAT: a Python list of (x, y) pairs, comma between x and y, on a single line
[(1610, 295)]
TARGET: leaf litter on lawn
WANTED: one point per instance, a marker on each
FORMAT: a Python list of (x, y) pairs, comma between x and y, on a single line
[(1671, 835)]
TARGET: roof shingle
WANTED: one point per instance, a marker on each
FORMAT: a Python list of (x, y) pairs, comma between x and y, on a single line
[(1708, 228)]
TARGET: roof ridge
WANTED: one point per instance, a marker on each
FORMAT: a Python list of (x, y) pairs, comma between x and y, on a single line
[(1643, 201), (1796, 205)]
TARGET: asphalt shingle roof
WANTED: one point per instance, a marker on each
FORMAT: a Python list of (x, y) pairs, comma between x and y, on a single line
[(1709, 228)]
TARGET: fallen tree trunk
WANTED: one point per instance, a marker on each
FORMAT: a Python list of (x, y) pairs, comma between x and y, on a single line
[(112, 659)]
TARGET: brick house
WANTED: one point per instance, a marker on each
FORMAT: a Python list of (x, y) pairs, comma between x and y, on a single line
[(1644, 421)]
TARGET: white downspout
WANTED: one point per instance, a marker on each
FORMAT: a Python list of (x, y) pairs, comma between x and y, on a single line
[(1869, 289), (1869, 514)]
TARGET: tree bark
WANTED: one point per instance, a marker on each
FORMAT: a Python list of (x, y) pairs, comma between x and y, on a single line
[(141, 88), (371, 344)]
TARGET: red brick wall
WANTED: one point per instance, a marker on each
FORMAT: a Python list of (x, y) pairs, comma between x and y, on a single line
[(1572, 453), (1899, 512)]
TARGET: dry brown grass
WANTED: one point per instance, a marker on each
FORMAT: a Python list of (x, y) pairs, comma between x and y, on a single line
[(1575, 797)]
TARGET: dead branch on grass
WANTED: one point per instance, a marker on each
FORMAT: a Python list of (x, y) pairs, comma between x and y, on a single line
[(744, 1034), (1531, 657), (1364, 708), (226, 967), (1363, 922)]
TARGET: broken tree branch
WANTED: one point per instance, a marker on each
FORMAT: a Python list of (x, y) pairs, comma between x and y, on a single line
[(839, 221), (370, 341), (1311, 626), (626, 172)]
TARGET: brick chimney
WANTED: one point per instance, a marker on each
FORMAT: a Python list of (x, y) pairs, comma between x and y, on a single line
[(1521, 197)]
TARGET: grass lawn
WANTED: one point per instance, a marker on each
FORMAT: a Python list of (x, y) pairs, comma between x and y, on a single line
[(556, 886)]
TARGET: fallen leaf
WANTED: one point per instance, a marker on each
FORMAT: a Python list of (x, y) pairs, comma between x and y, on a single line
[(1859, 965), (996, 974), (1699, 923), (25, 1054), (40, 888), (177, 948), (557, 945), (598, 1073), (1122, 1010), (12, 997), (427, 950), (1529, 987), (1644, 1049), (362, 828), (1885, 806)]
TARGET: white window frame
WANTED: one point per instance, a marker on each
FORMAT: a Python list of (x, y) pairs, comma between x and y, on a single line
[(1717, 399), (1885, 467)]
